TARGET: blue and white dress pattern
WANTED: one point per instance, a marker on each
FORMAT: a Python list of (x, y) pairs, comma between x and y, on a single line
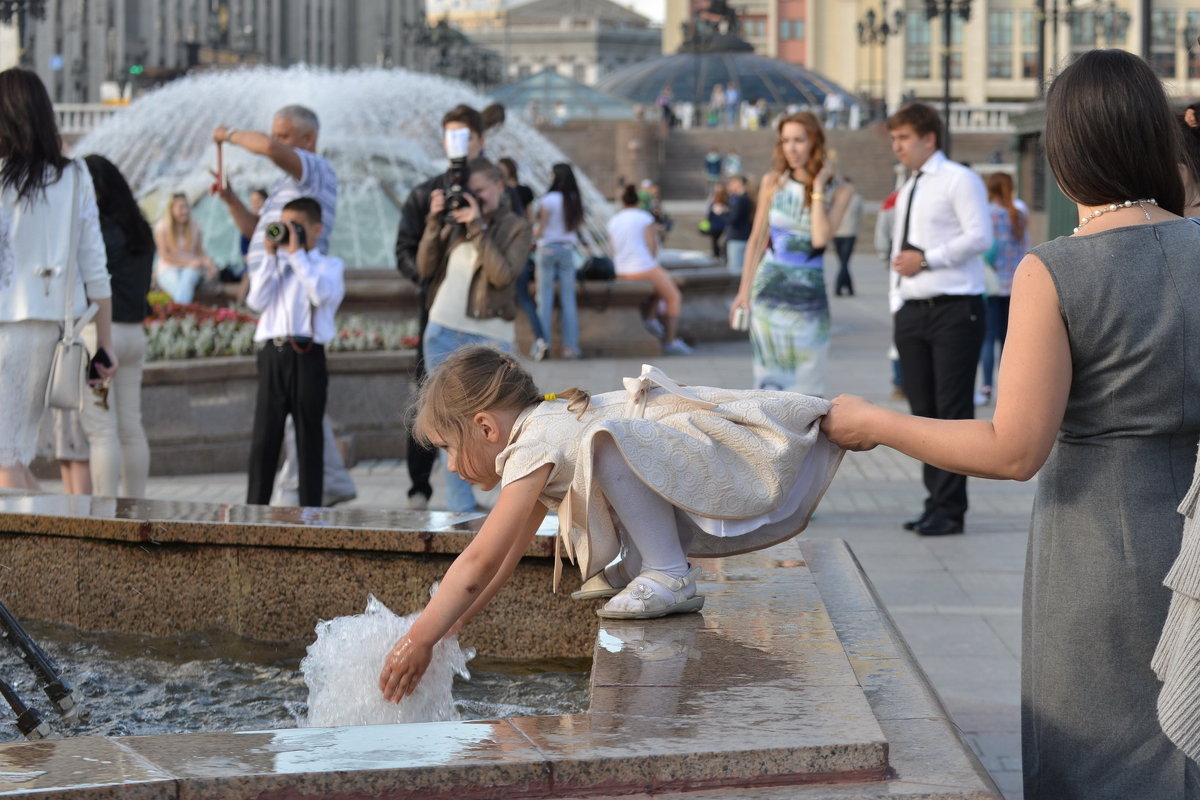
[(789, 307)]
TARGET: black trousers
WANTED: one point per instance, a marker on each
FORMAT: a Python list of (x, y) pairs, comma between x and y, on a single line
[(296, 383), (938, 341), (845, 248), (420, 460)]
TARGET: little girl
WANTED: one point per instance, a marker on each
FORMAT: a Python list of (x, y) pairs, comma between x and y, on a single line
[(640, 478)]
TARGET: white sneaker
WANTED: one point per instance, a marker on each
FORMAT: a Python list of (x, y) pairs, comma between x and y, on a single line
[(655, 327), (677, 348), (418, 501), (539, 350)]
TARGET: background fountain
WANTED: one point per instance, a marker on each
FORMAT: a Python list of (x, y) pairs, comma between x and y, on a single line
[(381, 130)]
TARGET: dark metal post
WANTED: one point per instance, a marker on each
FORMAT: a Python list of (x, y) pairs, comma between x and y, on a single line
[(1147, 30), (1041, 48)]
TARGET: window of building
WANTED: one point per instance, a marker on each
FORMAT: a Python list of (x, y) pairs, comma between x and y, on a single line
[(785, 29), (1000, 40), (1189, 42), (1163, 41), (917, 46), (1083, 30), (1029, 43), (579, 73)]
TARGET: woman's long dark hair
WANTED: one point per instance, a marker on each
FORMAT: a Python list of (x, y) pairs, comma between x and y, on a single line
[(1096, 109), (115, 201), (29, 142), (564, 182)]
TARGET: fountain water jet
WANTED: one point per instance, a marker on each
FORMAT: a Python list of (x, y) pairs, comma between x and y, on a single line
[(381, 130)]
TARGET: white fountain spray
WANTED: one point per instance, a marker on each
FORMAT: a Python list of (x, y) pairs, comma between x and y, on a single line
[(380, 129)]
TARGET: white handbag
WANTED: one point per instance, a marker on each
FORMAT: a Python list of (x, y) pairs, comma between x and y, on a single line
[(68, 369)]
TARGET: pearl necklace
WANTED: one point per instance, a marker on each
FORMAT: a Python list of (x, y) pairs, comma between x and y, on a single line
[(1116, 207)]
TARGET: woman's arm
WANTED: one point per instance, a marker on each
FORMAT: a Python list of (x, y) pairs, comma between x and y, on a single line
[(502, 261), (543, 219), (471, 575), (650, 236), (1034, 381)]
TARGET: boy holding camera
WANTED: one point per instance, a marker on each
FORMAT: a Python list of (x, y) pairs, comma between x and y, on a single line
[(297, 290)]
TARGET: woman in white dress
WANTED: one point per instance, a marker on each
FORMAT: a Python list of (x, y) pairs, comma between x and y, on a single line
[(37, 184)]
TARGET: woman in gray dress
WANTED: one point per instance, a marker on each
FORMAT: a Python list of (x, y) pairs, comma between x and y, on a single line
[(1099, 389)]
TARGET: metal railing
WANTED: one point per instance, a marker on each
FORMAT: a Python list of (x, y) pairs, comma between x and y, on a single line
[(76, 119), (988, 118)]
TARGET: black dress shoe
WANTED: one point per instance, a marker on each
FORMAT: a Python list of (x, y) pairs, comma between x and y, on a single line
[(913, 524), (939, 526)]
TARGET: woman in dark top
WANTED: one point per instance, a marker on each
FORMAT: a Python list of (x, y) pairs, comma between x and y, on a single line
[(520, 198), (119, 453)]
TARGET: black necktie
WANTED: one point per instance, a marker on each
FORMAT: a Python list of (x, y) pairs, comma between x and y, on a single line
[(904, 243)]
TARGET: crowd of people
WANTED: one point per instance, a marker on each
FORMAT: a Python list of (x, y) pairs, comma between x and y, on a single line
[(1098, 397), (726, 108)]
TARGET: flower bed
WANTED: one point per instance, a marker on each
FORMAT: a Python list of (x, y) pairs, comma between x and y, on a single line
[(175, 331)]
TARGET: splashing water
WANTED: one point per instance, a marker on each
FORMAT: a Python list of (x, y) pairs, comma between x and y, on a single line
[(342, 672), (380, 129)]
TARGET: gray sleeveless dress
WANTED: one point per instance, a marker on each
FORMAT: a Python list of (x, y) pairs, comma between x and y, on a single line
[(1105, 529)]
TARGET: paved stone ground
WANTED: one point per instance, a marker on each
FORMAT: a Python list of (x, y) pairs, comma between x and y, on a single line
[(956, 599)]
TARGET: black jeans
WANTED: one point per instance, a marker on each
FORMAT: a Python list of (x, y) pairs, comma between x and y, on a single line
[(939, 343), (289, 382), (845, 248), (420, 460)]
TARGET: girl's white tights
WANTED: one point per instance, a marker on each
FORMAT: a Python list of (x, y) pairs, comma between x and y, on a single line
[(654, 535)]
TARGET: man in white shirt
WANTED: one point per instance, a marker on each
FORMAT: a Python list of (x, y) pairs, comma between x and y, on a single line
[(297, 290), (942, 228)]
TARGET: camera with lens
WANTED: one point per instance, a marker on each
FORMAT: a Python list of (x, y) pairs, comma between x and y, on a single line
[(457, 141), (278, 234)]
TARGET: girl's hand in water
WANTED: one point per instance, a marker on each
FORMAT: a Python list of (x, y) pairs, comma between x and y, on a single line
[(403, 668), (848, 423)]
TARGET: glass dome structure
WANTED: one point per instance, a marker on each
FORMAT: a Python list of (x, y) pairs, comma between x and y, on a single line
[(692, 75)]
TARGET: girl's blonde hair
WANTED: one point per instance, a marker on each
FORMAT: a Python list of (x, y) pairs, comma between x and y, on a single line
[(472, 379), (187, 233)]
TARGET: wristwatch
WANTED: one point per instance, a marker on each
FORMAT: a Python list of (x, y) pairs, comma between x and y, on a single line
[(924, 264)]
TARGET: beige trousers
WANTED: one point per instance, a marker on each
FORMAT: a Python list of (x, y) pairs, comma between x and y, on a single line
[(120, 454)]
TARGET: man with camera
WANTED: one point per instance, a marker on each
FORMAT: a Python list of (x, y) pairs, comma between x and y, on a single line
[(291, 145), (463, 130), (296, 289), (470, 254)]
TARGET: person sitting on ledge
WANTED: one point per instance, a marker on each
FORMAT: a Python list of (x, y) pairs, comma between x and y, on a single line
[(641, 479)]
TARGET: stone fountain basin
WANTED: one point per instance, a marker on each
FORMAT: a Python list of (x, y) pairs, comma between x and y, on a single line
[(793, 682)]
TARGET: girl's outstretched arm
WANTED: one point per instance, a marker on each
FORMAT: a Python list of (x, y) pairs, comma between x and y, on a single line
[(520, 545), (468, 583)]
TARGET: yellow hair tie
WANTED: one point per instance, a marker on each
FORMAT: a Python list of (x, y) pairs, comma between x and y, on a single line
[(550, 398)]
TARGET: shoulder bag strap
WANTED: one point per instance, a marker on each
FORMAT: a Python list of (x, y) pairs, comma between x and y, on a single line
[(73, 254)]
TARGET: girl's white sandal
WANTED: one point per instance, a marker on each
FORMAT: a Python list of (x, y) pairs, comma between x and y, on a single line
[(653, 604)]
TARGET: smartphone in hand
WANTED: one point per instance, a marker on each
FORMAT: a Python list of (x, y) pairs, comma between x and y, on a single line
[(100, 358)]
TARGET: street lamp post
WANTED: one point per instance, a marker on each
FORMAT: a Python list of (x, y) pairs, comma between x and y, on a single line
[(875, 29), (946, 9)]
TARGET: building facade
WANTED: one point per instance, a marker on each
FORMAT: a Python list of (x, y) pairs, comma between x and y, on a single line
[(583, 40), (1004, 51), (81, 46)]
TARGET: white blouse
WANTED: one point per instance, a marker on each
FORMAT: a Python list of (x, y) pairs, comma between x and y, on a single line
[(37, 243)]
